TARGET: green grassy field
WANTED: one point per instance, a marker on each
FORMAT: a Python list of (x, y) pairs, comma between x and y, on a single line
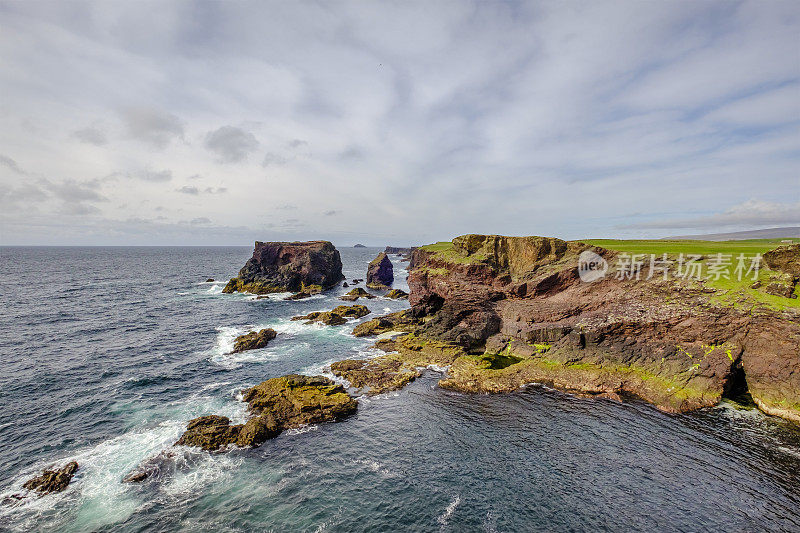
[(732, 291), (707, 248)]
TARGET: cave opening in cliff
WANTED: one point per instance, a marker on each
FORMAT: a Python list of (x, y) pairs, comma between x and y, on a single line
[(736, 388)]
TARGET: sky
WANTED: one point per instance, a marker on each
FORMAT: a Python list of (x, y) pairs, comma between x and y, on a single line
[(402, 123)]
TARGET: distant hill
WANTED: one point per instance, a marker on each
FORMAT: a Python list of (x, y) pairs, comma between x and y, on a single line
[(770, 233)]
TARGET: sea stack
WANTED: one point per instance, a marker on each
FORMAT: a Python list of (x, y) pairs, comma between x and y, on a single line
[(310, 267), (380, 273)]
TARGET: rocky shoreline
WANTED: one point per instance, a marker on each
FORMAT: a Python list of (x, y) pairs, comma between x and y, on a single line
[(496, 313)]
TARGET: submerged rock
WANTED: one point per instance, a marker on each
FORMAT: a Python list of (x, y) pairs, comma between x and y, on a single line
[(253, 340), (380, 273), (355, 294), (52, 480), (336, 316), (276, 404), (289, 267)]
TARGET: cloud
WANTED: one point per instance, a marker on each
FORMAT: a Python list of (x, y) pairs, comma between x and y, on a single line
[(753, 213), (273, 159), (231, 144), (194, 191), (330, 213), (200, 221), (11, 165), (155, 127), (91, 135), (153, 175)]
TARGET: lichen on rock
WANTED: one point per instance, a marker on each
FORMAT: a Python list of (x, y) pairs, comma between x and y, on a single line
[(51, 481), (380, 273), (336, 316), (276, 404)]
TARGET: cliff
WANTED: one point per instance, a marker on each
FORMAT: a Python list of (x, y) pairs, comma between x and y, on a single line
[(506, 311), (289, 266)]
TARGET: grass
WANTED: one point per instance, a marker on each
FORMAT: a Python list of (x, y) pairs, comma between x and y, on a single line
[(730, 292), (446, 252), (706, 248)]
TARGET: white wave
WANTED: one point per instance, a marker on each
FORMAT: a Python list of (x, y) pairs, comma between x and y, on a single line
[(444, 518), (302, 429), (375, 466), (215, 289), (97, 492)]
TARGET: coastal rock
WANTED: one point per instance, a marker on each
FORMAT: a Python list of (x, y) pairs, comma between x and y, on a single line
[(359, 245), (52, 480), (380, 273), (784, 259), (399, 321), (276, 404), (345, 284), (253, 340), (396, 294), (355, 294), (378, 375), (505, 311), (336, 316), (289, 267), (210, 280)]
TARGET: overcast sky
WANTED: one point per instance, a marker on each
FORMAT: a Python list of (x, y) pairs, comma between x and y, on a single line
[(395, 123)]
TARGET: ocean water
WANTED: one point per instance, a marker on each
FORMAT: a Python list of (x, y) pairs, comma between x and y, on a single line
[(107, 352)]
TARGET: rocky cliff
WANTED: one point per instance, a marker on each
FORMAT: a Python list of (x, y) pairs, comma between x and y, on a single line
[(506, 311), (380, 272), (289, 266)]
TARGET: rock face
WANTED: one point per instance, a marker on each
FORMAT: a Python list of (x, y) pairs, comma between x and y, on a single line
[(505, 311), (52, 480), (336, 316), (289, 267), (253, 340), (275, 405), (380, 273), (784, 259)]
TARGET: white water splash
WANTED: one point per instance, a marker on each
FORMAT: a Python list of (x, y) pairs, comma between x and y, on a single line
[(444, 518)]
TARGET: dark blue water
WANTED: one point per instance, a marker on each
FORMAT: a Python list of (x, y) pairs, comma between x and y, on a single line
[(107, 352)]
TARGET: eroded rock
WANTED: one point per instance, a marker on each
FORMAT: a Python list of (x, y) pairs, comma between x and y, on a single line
[(305, 267), (336, 316), (253, 340), (380, 273), (276, 404), (355, 294), (52, 480)]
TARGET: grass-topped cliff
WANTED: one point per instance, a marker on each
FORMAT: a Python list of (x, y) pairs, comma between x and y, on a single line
[(501, 312)]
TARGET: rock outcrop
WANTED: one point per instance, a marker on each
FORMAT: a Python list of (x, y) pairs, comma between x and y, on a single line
[(784, 259), (380, 273), (305, 267), (396, 294), (376, 376), (505, 311), (355, 294), (52, 480), (275, 405), (336, 316), (253, 340)]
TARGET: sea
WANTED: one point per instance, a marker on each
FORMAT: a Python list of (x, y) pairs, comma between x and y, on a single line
[(107, 353)]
